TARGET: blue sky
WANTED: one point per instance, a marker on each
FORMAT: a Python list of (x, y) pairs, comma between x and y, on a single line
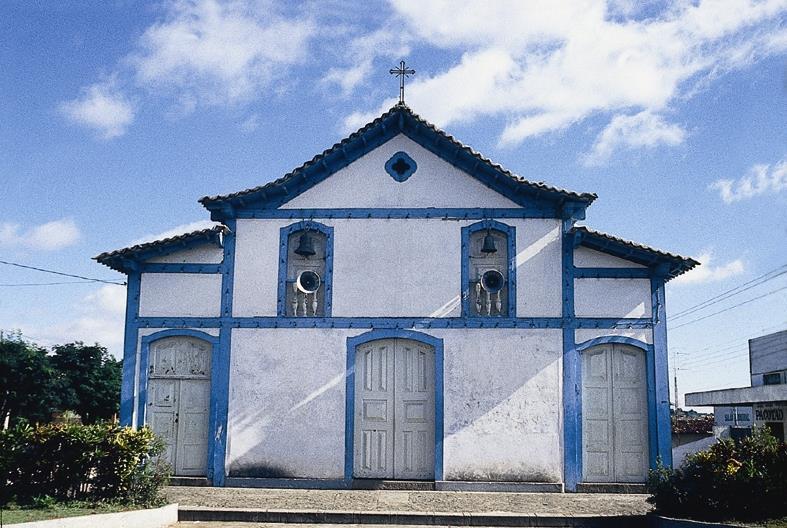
[(116, 116)]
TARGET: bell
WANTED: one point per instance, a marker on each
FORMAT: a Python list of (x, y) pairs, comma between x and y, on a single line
[(489, 244), (305, 246)]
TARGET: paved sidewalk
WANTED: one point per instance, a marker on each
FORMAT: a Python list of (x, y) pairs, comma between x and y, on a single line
[(561, 504)]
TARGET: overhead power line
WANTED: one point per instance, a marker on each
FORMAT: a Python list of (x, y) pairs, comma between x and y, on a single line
[(730, 308), (765, 277), (45, 283), (89, 279)]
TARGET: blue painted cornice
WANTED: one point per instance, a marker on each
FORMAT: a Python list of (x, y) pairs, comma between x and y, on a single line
[(400, 119)]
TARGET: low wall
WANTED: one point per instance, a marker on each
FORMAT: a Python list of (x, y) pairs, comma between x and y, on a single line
[(152, 518)]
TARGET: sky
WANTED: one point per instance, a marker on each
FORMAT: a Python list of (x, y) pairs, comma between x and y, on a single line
[(116, 116)]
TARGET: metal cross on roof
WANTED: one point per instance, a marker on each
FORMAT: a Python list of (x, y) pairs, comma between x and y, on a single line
[(402, 72)]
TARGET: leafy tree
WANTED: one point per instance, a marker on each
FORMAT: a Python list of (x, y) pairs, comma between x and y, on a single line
[(27, 381), (89, 380)]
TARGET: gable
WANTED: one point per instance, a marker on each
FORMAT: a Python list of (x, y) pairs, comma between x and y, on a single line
[(540, 199), (366, 183)]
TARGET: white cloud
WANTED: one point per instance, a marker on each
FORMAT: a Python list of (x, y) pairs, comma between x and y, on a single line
[(644, 129), (102, 107), (211, 52), (49, 236), (760, 179), (175, 231), (544, 66), (99, 318), (707, 272)]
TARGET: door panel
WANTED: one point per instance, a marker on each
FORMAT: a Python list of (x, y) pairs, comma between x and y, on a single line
[(374, 408), (629, 392), (162, 410), (614, 414), (596, 414), (414, 424), (192, 450), (394, 410)]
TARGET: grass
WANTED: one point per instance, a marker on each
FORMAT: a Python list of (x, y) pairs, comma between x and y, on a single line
[(12, 514)]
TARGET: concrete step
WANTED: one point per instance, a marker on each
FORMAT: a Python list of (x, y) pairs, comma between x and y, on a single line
[(410, 518)]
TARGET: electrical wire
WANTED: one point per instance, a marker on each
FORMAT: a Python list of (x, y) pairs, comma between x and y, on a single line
[(8, 285), (729, 308), (90, 279), (765, 277)]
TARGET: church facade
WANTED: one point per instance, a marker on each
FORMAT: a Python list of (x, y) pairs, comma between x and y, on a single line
[(400, 308)]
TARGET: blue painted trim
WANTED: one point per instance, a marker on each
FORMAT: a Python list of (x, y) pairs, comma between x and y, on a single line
[(220, 389), (400, 156), (661, 371), (399, 213), (129, 375), (572, 417), (349, 421), (284, 237), (394, 322), (612, 273), (510, 233), (145, 365), (400, 121), (180, 268), (605, 340), (653, 425)]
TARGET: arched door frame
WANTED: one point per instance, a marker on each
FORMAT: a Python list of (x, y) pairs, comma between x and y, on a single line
[(215, 458), (349, 414), (650, 372)]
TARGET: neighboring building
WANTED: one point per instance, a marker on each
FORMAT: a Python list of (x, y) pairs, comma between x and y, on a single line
[(400, 307), (765, 402)]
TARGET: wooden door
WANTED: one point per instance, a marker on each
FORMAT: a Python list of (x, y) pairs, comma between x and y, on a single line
[(614, 414), (374, 410), (179, 400), (394, 410)]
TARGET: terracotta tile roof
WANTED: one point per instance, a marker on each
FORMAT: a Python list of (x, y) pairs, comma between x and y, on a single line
[(109, 258), (680, 264)]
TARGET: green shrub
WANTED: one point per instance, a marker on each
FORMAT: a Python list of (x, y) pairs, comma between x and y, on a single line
[(744, 480), (72, 462)]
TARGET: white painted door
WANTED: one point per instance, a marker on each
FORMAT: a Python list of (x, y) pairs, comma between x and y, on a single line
[(614, 414), (394, 410), (179, 401)]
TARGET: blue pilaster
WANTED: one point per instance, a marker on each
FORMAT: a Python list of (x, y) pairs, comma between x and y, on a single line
[(572, 410), (128, 383), (220, 382), (661, 370)]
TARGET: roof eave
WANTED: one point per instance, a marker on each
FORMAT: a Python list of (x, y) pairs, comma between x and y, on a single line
[(126, 260)]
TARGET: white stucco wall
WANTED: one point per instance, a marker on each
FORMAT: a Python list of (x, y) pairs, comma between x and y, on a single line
[(502, 402), (539, 268), (589, 258), (365, 183), (398, 267), (180, 295), (286, 403), (503, 405), (612, 298), (256, 278), (205, 254)]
